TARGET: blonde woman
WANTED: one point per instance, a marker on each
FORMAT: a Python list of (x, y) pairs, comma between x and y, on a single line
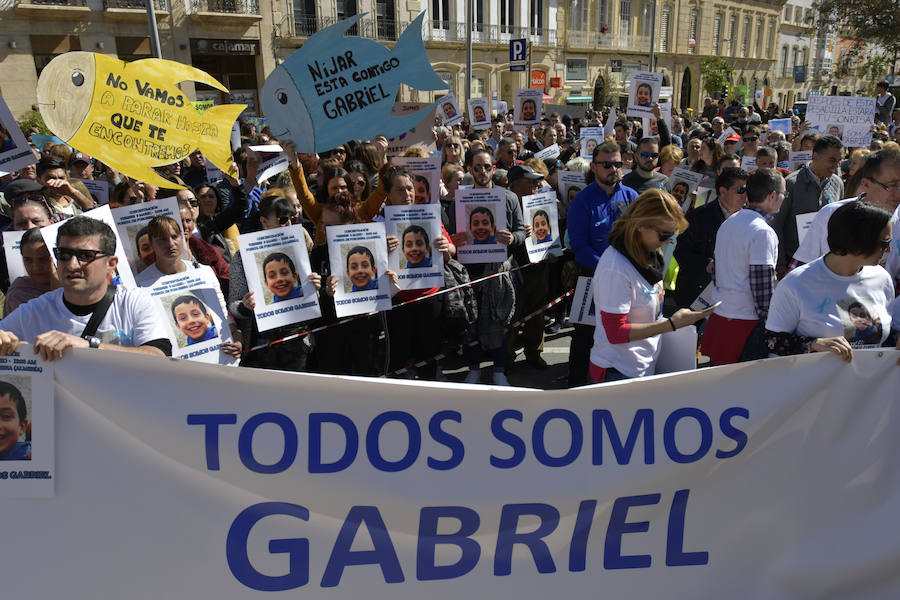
[(628, 290)]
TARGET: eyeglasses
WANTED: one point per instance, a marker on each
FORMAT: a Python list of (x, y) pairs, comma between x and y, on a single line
[(751, 138), (888, 188), (481, 168), (284, 220), (646, 155), (194, 203), (664, 236), (609, 164), (741, 190), (28, 198), (885, 244), (453, 145), (84, 257)]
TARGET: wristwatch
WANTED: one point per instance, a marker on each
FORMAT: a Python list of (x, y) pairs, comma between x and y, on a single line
[(94, 342)]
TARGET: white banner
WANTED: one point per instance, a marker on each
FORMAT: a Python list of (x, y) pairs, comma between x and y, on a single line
[(777, 478)]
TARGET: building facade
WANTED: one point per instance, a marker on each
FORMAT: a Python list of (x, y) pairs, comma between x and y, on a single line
[(580, 52)]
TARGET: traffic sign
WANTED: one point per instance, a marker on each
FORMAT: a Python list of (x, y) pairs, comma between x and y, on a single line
[(518, 54)]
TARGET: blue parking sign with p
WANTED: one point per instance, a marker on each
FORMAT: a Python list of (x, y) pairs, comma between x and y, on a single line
[(517, 54)]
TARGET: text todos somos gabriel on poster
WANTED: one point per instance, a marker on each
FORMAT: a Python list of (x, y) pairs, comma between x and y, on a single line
[(555, 438)]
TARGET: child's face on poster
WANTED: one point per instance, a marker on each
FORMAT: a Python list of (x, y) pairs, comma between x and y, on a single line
[(280, 279), (192, 320), (414, 248), (12, 426), (643, 95), (481, 226), (360, 270), (541, 227)]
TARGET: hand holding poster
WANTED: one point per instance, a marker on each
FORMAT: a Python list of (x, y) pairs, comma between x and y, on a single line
[(131, 225), (27, 434), (448, 110), (273, 166), (529, 106), (479, 115), (480, 214), (644, 91), (417, 263), (336, 87), (426, 176), (591, 137), (358, 258), (276, 266), (15, 152), (848, 118), (540, 212), (682, 183), (194, 311), (101, 213)]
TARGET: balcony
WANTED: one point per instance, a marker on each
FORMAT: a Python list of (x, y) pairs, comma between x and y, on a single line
[(592, 40), (225, 12), (73, 10), (382, 29), (452, 31), (133, 11)]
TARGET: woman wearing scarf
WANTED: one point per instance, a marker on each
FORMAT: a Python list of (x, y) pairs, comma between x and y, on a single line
[(628, 290)]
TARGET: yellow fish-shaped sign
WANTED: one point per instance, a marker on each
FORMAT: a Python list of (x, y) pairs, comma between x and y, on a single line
[(132, 116)]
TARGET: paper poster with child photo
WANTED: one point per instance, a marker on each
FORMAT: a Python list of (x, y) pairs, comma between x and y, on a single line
[(15, 152), (644, 91), (131, 224), (26, 427), (276, 266), (570, 183), (426, 176), (101, 213), (591, 137), (357, 255), (15, 266), (448, 110), (529, 107), (861, 321), (479, 114), (417, 263), (541, 213), (682, 183), (480, 214), (194, 310)]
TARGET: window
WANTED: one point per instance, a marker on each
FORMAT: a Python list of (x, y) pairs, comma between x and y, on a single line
[(576, 69), (692, 31), (759, 38), (796, 57), (478, 25), (602, 16), (664, 28), (479, 85), (745, 40), (804, 56), (717, 34), (624, 17), (305, 17), (787, 13), (345, 9), (507, 15), (646, 15), (440, 14), (387, 19), (770, 47), (536, 17), (577, 7), (732, 34), (784, 61)]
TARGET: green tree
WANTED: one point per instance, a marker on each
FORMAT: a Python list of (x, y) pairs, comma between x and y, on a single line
[(33, 119), (871, 21), (715, 73)]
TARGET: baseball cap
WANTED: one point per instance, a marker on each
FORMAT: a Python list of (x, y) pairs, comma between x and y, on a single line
[(79, 157), (733, 138), (19, 187), (520, 171), (552, 164)]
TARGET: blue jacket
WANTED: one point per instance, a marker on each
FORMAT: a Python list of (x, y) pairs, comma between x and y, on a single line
[(590, 220)]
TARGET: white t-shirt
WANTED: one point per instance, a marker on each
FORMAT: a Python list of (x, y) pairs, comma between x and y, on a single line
[(815, 243), (618, 288), (132, 319), (893, 257), (151, 274), (744, 239), (814, 301)]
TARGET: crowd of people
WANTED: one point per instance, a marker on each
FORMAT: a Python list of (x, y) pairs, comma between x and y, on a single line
[(767, 284)]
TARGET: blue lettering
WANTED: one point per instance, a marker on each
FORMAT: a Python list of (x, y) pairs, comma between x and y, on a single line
[(429, 538), (297, 549), (507, 537), (618, 526), (603, 419), (578, 547), (374, 432), (706, 434), (212, 422), (675, 554), (383, 554), (732, 432), (537, 437), (351, 442), (245, 442), (457, 450), (509, 438)]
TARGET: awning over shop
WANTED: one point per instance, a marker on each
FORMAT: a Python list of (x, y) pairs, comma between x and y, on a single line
[(579, 99)]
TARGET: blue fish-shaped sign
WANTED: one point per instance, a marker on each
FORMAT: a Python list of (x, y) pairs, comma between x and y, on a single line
[(336, 88)]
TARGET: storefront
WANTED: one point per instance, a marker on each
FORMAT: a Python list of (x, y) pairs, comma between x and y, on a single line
[(233, 63)]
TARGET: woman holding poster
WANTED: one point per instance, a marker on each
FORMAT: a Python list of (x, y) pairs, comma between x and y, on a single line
[(628, 291), (411, 333)]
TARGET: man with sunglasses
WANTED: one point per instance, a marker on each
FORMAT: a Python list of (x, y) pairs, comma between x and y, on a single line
[(879, 185), (590, 219), (643, 177), (696, 246), (86, 262), (750, 141)]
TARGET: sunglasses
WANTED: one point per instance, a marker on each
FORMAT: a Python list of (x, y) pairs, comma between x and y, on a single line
[(454, 145), (84, 257), (609, 164), (28, 198), (741, 190), (481, 168), (751, 138), (284, 220), (649, 155), (194, 203)]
